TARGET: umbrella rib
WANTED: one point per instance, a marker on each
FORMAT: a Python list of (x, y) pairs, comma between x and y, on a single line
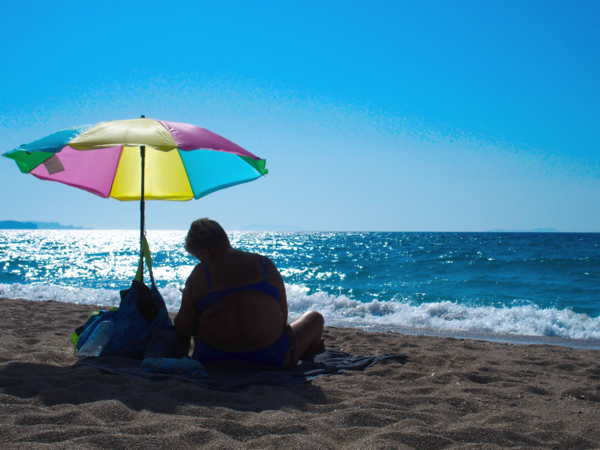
[(187, 175), (115, 172)]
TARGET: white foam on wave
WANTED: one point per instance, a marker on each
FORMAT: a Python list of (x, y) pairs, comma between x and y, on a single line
[(445, 316), (82, 296), (524, 320), (68, 294)]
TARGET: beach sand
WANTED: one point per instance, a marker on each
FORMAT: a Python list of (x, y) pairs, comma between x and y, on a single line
[(451, 394)]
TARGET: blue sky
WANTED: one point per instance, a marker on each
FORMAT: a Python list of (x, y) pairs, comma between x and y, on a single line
[(398, 116)]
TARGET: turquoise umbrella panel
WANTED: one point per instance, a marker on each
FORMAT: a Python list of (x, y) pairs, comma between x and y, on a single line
[(209, 171)]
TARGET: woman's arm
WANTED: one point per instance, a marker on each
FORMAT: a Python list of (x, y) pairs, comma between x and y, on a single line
[(186, 320), (274, 277)]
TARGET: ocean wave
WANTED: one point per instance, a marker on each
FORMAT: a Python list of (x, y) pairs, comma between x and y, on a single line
[(443, 317), (80, 295)]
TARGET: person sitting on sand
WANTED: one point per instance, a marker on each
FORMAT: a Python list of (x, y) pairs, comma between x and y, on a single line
[(235, 306)]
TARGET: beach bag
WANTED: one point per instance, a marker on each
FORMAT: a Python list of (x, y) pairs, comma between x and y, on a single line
[(141, 314)]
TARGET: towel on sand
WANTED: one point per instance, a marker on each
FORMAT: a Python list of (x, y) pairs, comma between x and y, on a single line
[(329, 362), (175, 366)]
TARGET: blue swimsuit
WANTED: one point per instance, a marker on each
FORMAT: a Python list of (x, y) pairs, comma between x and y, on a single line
[(271, 357)]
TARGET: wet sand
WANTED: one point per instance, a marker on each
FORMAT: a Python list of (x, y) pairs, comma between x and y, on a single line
[(451, 394)]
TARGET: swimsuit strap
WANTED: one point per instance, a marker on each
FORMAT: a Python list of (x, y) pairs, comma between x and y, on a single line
[(214, 296), (207, 277)]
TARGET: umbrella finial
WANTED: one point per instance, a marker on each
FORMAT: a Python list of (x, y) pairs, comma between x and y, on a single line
[(142, 116)]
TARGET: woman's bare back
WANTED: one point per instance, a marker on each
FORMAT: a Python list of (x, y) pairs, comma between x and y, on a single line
[(242, 321)]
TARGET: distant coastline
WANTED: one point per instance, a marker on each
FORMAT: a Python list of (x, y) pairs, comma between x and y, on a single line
[(16, 225), (535, 230)]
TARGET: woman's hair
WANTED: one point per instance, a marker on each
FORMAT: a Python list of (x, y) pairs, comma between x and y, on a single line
[(205, 234)]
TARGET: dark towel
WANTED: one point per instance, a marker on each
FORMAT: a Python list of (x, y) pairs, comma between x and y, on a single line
[(329, 362)]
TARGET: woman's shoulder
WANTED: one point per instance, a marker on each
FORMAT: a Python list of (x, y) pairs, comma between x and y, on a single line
[(244, 253), (264, 263), (197, 274), (196, 283), (249, 257), (197, 269)]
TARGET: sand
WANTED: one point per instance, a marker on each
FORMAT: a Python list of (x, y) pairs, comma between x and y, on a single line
[(451, 394)]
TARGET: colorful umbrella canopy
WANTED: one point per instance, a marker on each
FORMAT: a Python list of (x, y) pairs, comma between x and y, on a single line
[(182, 162)]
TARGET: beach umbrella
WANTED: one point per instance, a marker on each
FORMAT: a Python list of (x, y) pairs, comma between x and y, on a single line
[(140, 159)]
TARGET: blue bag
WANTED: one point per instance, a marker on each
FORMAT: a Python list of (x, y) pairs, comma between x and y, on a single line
[(141, 313)]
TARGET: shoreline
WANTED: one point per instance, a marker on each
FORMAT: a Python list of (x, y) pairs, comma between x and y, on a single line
[(590, 344), (452, 393)]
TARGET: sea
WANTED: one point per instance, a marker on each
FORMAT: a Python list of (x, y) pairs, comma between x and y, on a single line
[(507, 287)]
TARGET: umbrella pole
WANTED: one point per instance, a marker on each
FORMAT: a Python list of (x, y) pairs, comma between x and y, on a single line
[(142, 208)]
